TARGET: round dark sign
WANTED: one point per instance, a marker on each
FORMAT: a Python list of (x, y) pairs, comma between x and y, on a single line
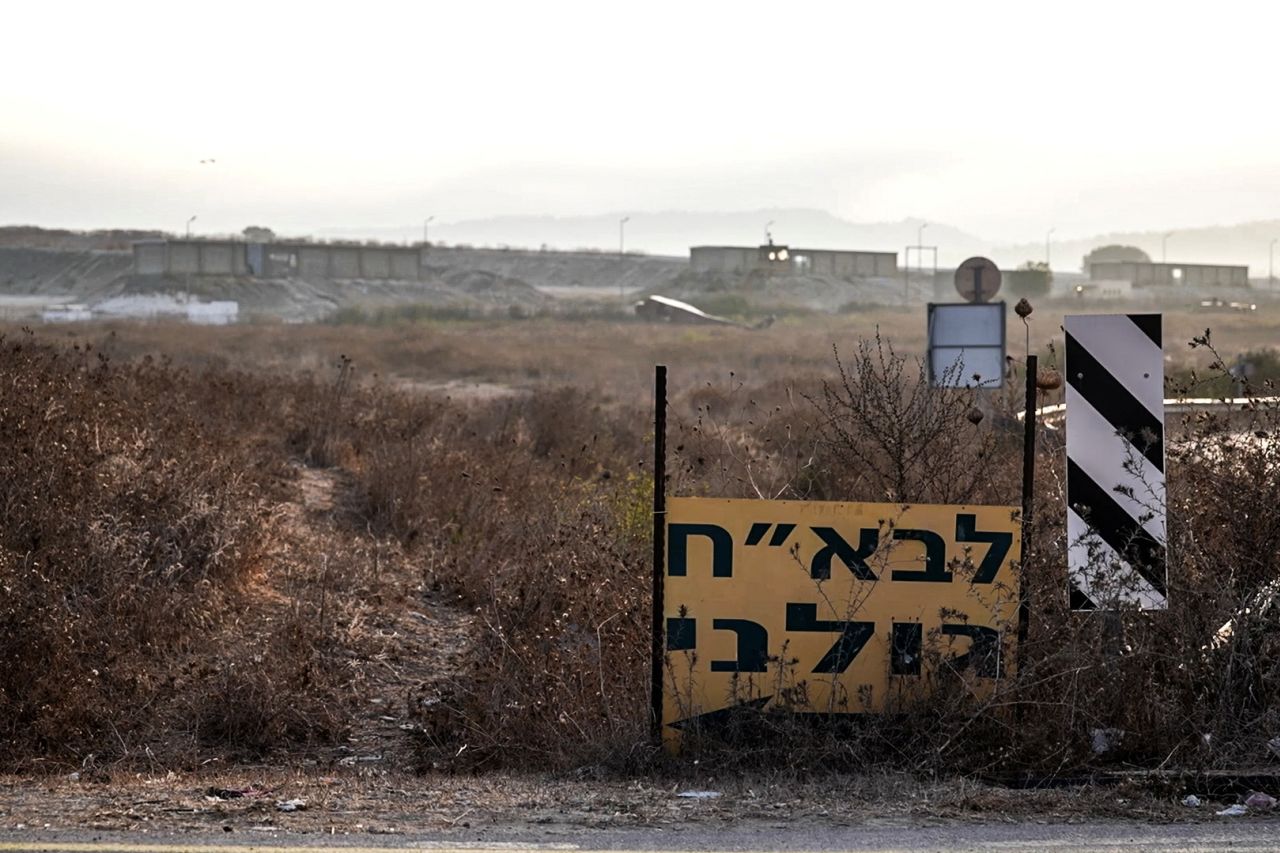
[(978, 279)]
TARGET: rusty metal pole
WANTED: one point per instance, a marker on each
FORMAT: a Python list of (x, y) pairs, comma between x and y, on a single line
[(659, 544), (1028, 490)]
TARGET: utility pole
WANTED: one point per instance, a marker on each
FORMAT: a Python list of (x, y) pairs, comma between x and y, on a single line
[(768, 235), (1047, 245), (622, 235), (1164, 247), (425, 223), (189, 221)]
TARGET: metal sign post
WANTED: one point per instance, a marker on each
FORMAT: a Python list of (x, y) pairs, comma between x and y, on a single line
[(1028, 494), (659, 542)]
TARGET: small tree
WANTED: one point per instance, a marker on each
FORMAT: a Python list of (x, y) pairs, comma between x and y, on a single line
[(1114, 252), (1032, 279)]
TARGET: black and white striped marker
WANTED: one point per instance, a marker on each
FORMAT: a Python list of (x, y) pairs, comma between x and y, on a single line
[(1115, 461)]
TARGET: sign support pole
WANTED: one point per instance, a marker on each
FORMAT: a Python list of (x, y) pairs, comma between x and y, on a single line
[(659, 543), (1028, 489)]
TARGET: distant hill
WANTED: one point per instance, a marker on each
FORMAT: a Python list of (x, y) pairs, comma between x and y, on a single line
[(1245, 243)]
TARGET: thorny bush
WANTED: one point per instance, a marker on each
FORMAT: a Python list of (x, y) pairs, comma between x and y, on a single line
[(134, 510), (137, 503)]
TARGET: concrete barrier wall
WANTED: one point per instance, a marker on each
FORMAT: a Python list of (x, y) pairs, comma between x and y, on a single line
[(217, 259), (275, 260), (375, 263), (405, 265), (344, 263), (313, 261), (184, 258), (281, 261), (837, 264), (150, 258)]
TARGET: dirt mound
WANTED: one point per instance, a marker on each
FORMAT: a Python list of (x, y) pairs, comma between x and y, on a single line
[(495, 287), (550, 270), (812, 292), (50, 271)]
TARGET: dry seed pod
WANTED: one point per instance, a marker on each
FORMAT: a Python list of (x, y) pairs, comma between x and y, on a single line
[(1023, 309), (1048, 379), (975, 416)]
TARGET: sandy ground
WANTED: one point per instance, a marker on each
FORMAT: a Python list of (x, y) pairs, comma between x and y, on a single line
[(354, 800)]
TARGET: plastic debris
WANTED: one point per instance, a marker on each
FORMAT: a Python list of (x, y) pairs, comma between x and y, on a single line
[(217, 794), (291, 805), (1260, 802), (699, 795), (1105, 740), (1233, 811), (1192, 801)]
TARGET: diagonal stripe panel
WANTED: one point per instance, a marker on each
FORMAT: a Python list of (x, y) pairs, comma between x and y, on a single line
[(1111, 461), (1135, 546), (1115, 460), (1125, 350), (1094, 575), (1087, 377), (1150, 325)]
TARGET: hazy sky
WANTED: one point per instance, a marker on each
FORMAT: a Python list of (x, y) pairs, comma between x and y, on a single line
[(1004, 119)]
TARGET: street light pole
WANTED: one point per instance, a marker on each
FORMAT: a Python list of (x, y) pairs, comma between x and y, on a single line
[(189, 221), (1164, 247), (622, 235), (1047, 245), (425, 223)]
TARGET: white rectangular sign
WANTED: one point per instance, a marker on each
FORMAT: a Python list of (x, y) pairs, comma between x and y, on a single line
[(967, 345), (1115, 461)]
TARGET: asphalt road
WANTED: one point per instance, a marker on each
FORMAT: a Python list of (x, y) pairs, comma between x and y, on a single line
[(1247, 834)]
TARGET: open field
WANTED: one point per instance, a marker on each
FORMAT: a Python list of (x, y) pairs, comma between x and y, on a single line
[(421, 546), (607, 356)]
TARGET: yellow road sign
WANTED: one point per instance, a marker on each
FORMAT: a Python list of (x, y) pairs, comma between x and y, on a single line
[(832, 607)]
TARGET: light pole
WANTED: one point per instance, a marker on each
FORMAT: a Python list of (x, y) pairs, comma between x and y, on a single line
[(768, 235), (920, 236), (622, 235), (1047, 245), (189, 221), (425, 224), (1164, 247)]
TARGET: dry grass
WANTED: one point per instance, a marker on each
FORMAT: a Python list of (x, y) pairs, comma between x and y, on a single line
[(144, 532)]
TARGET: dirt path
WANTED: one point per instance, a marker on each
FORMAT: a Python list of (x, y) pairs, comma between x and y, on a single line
[(398, 637)]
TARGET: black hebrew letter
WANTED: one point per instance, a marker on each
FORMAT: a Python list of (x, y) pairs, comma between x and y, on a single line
[(853, 635), (678, 549), (984, 652), (753, 646), (935, 557), (1000, 541), (836, 546)]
